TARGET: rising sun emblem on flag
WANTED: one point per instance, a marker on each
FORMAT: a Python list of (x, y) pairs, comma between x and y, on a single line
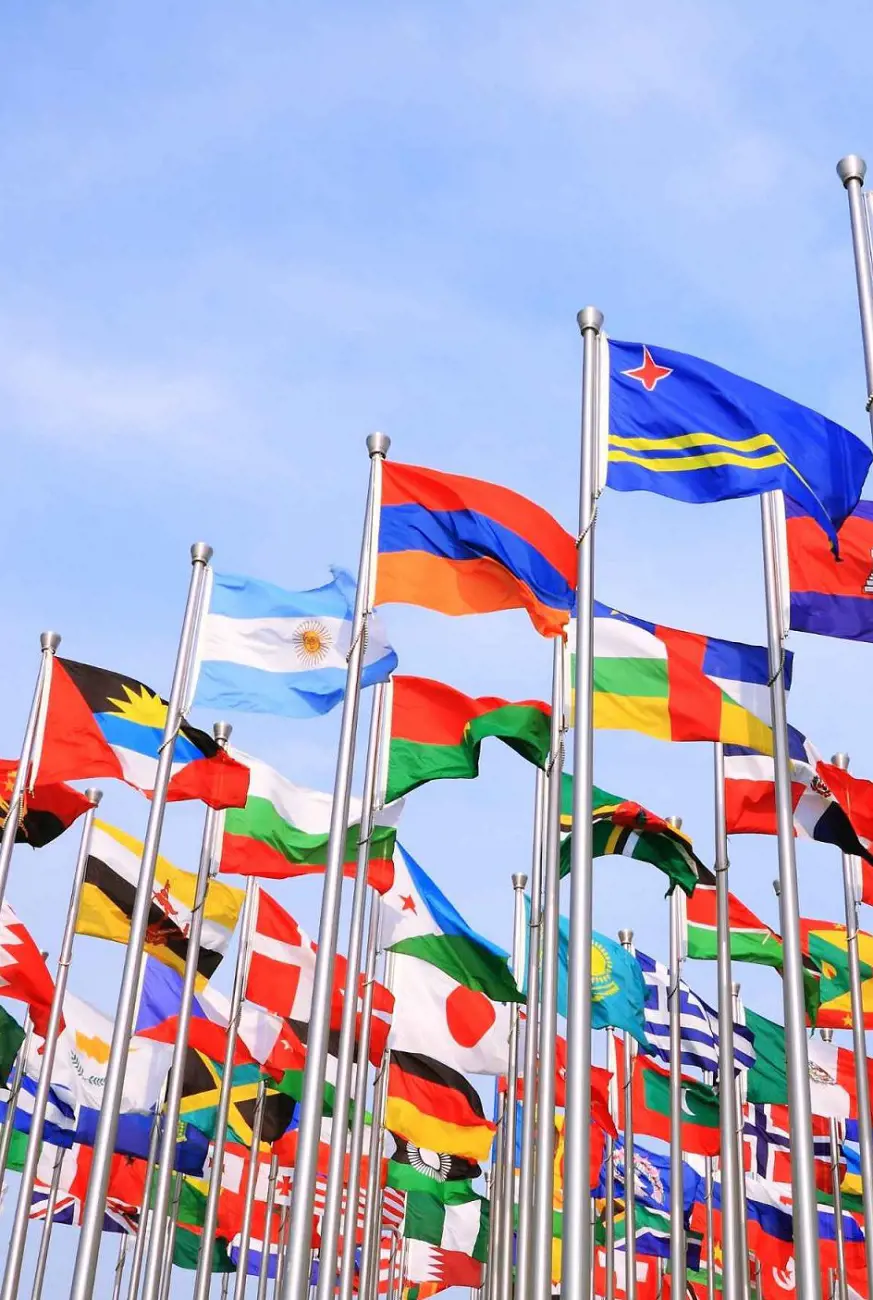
[(602, 983), (141, 706), (312, 642)]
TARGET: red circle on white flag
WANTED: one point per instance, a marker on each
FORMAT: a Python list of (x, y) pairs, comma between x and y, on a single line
[(469, 1016)]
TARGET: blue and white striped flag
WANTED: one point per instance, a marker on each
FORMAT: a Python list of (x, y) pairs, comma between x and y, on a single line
[(265, 650), (698, 1021)]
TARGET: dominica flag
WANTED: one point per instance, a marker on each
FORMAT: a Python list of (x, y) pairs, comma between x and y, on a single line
[(283, 829), (826, 943), (625, 828), (437, 732), (419, 921), (678, 685)]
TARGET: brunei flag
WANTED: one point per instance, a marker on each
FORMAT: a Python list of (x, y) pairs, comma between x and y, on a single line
[(100, 723), (48, 810), (436, 1108), (109, 892)]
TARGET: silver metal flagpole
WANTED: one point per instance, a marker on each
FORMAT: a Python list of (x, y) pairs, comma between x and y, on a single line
[(282, 1247), (119, 1267), (356, 1145), (609, 1208), (82, 1287), (48, 642), (494, 1183), (577, 1148), (524, 1237), (330, 1223), (507, 1204), (851, 171), (677, 1190), (732, 1260), (18, 1236), (489, 1254), (626, 938), (859, 1039), (242, 1263), (47, 1225), (295, 1281), (170, 1239), (14, 1091), (738, 1139), (541, 1270), (839, 1229), (264, 1271), (373, 1203), (145, 1207), (203, 1278), (710, 1226), (167, 1157), (808, 1277)]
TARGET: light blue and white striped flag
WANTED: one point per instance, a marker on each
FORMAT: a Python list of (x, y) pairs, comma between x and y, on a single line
[(265, 650), (698, 1021)]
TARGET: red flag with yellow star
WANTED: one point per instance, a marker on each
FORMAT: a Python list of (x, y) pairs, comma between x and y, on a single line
[(48, 810)]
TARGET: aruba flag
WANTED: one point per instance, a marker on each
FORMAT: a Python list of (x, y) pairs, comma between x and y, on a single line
[(686, 429), (461, 546)]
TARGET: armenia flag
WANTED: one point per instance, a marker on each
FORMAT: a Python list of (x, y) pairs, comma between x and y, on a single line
[(684, 428), (462, 546), (100, 723), (678, 685)]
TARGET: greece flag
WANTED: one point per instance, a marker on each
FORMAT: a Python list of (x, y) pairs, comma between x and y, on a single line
[(265, 650)]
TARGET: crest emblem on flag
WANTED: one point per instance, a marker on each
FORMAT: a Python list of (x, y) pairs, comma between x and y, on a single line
[(159, 933), (312, 642), (603, 984)]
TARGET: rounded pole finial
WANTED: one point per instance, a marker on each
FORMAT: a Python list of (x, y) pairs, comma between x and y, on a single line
[(49, 641), (841, 761), (589, 318), (735, 989), (201, 553), (378, 444), (851, 168), (777, 888), (93, 795), (221, 731), (675, 822), (827, 1035), (519, 880), (626, 937)]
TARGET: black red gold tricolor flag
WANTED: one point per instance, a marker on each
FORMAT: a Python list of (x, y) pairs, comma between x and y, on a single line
[(436, 1108)]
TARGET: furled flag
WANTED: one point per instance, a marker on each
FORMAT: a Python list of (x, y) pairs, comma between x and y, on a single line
[(459, 1025), (416, 1169), (459, 1228), (687, 429), (853, 1185), (829, 805), (124, 1195), (698, 1024), (419, 921), (830, 596), (437, 732), (751, 939), (627, 829), (651, 1107), (678, 685), (462, 546), (24, 975), (82, 1057), (109, 893), (283, 830), (826, 943), (46, 812), (100, 723), (436, 1107), (767, 1145), (265, 650), (200, 1093)]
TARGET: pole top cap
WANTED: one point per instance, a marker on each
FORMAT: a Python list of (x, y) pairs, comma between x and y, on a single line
[(378, 444), (589, 318), (777, 888), (221, 731), (519, 880), (49, 641), (675, 822), (93, 795), (827, 1035), (201, 553), (841, 761), (626, 937), (851, 168)]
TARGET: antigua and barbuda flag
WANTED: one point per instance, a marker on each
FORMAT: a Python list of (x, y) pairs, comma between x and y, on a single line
[(684, 428), (265, 650)]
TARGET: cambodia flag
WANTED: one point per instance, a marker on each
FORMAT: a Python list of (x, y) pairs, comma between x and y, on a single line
[(830, 596)]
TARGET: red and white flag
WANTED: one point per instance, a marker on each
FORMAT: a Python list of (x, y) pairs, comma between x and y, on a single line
[(426, 1263), (24, 975)]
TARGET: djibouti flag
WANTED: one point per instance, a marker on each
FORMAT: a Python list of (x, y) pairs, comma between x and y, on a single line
[(265, 650)]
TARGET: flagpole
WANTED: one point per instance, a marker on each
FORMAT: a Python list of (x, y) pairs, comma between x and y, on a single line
[(731, 1260), (356, 1145), (577, 1147), (82, 1287), (859, 1039), (296, 1277), (47, 1225), (677, 1191), (330, 1223), (203, 1277), (709, 1079), (851, 171), (626, 938), (504, 1261), (14, 1091), (167, 1157), (738, 1140), (282, 1247), (119, 1267), (18, 1235), (145, 1207), (799, 1108), (839, 1231), (529, 1077), (372, 1206), (242, 1262), (264, 1271), (541, 1264), (170, 1239), (609, 1209), (48, 643)]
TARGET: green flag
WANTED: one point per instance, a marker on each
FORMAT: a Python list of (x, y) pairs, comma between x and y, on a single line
[(11, 1038), (767, 1081)]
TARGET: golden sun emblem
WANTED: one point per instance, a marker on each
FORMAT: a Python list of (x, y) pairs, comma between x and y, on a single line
[(141, 706), (603, 984), (312, 642)]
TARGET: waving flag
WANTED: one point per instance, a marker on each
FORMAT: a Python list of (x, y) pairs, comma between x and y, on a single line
[(826, 943), (462, 546), (436, 1107), (47, 811), (830, 596), (698, 1021), (767, 1145), (651, 1103), (684, 428), (459, 1025), (24, 975), (123, 1198)]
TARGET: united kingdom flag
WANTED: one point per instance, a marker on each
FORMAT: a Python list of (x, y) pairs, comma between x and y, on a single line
[(125, 1193)]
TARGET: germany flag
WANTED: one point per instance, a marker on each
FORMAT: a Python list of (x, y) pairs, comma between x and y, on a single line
[(48, 810), (436, 1108)]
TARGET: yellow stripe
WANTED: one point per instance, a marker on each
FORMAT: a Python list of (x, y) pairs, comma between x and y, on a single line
[(435, 1134), (612, 839), (669, 464), (740, 727), (682, 440), (650, 715), (101, 919)]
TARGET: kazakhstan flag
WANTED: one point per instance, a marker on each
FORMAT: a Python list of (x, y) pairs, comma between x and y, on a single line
[(687, 429)]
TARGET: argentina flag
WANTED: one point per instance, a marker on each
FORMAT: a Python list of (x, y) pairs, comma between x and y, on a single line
[(699, 1024)]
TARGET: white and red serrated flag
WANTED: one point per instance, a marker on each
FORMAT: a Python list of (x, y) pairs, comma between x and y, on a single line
[(426, 1263), (24, 975)]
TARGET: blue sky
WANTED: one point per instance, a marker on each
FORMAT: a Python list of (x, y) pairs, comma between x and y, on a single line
[(238, 238)]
